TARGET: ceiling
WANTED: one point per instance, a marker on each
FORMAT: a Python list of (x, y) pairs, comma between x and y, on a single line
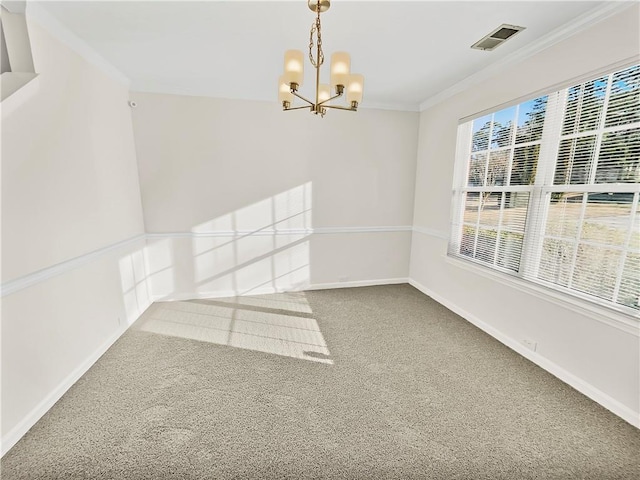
[(409, 52)]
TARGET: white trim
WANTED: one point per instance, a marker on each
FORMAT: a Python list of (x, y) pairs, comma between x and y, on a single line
[(38, 13), (230, 233), (268, 290), (30, 279), (569, 378), (338, 230), (16, 433), (579, 24), (401, 107), (432, 232), (181, 297), (285, 231), (358, 283)]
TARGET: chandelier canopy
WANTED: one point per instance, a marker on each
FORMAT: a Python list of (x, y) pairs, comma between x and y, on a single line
[(342, 80)]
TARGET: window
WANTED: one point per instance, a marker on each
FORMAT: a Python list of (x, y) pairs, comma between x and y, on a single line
[(548, 190)]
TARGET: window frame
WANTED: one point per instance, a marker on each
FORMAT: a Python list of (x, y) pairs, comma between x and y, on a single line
[(539, 196)]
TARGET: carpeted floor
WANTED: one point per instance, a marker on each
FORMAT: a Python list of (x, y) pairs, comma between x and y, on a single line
[(373, 382)]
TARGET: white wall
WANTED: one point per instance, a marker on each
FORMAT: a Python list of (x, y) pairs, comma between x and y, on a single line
[(602, 359), (69, 188), (209, 166)]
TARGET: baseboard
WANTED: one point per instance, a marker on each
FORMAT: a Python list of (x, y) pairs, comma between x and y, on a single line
[(358, 283), (569, 378), (181, 297), (177, 297), (17, 432)]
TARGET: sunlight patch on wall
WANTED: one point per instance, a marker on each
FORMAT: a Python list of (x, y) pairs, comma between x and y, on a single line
[(260, 247), (283, 270), (159, 262), (291, 266), (284, 211), (135, 288)]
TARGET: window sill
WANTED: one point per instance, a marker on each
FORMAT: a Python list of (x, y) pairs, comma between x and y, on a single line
[(628, 323)]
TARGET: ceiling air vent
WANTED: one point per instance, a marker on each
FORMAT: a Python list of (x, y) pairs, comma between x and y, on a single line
[(497, 37)]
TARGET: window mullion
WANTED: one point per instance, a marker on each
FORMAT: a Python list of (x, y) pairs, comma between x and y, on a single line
[(627, 244), (588, 133), (538, 199), (499, 228), (507, 182), (574, 257), (499, 188), (486, 165), (599, 132), (576, 125), (595, 188), (477, 226), (512, 143)]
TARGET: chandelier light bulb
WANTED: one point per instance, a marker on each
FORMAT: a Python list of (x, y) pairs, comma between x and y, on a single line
[(340, 67), (355, 88), (284, 91), (294, 66)]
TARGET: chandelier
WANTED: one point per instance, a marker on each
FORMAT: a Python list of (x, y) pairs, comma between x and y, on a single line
[(342, 80)]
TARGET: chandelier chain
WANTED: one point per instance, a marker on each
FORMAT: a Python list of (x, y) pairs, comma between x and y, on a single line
[(315, 28)]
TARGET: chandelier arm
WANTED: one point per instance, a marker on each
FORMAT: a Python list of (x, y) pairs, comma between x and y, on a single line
[(302, 98), (338, 107), (298, 108), (329, 99)]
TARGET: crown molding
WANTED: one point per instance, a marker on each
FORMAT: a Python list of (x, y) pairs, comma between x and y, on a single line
[(598, 14), (401, 107), (14, 6), (35, 12)]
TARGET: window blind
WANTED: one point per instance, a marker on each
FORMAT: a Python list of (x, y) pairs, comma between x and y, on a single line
[(549, 190)]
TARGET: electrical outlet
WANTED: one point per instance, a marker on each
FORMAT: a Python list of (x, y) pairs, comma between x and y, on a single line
[(530, 344)]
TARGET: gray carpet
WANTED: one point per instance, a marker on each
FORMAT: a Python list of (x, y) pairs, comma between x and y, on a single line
[(374, 382)]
